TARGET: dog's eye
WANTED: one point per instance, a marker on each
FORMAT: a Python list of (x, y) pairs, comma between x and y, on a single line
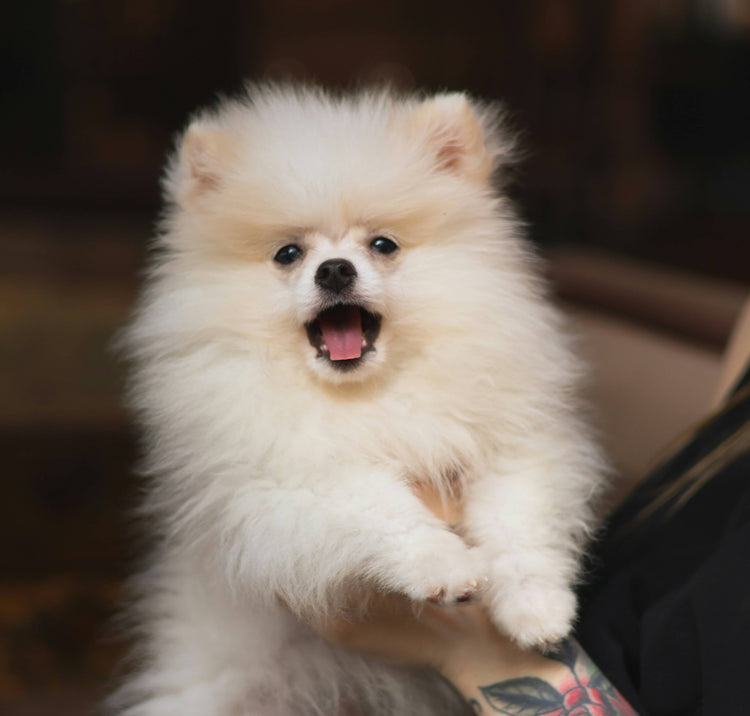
[(383, 245), (287, 254)]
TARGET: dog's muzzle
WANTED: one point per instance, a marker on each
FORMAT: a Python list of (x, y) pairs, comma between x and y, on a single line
[(345, 330)]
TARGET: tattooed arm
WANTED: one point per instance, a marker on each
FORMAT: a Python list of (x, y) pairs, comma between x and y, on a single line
[(563, 683), (492, 673)]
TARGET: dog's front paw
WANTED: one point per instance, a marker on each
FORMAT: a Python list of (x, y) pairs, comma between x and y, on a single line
[(533, 613), (440, 568)]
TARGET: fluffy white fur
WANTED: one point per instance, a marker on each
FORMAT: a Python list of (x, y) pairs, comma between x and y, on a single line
[(278, 478)]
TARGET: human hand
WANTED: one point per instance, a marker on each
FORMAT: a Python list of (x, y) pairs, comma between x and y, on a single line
[(451, 640), (486, 667)]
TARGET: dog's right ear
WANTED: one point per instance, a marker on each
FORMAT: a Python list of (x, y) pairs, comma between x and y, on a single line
[(202, 158)]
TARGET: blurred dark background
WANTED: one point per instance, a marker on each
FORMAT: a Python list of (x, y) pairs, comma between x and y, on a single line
[(634, 115)]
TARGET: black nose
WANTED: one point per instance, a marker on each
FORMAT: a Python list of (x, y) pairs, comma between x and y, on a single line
[(335, 274)]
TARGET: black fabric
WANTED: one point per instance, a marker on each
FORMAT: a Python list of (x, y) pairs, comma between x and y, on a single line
[(665, 613)]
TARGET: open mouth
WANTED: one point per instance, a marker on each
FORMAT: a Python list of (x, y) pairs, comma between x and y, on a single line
[(343, 334)]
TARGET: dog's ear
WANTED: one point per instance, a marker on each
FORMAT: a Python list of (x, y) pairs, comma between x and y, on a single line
[(455, 135), (202, 158)]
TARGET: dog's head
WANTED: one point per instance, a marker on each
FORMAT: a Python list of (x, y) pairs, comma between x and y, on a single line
[(342, 226)]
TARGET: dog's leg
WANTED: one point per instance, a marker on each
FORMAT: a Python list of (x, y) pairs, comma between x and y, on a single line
[(363, 523), (532, 517)]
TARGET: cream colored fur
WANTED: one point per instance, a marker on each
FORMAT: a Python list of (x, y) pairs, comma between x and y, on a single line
[(275, 477)]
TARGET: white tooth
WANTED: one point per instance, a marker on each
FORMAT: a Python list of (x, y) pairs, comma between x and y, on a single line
[(324, 348), (364, 342)]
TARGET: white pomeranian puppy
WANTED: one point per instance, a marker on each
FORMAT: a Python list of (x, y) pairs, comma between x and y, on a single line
[(340, 309)]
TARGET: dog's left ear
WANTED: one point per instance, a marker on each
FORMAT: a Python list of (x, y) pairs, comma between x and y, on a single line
[(456, 135)]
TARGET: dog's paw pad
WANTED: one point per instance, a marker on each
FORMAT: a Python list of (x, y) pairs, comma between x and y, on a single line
[(437, 596), (472, 590), (469, 591)]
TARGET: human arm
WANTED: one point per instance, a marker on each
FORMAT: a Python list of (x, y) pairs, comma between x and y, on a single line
[(564, 682), (487, 668)]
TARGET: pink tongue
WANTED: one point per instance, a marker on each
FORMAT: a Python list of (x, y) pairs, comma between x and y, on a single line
[(342, 333)]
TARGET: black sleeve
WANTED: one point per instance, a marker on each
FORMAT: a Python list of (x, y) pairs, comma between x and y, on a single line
[(666, 609)]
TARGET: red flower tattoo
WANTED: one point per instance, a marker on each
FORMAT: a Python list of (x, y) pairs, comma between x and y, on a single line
[(585, 692)]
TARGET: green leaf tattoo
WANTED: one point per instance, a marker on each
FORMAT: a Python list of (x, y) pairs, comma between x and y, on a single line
[(527, 696)]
